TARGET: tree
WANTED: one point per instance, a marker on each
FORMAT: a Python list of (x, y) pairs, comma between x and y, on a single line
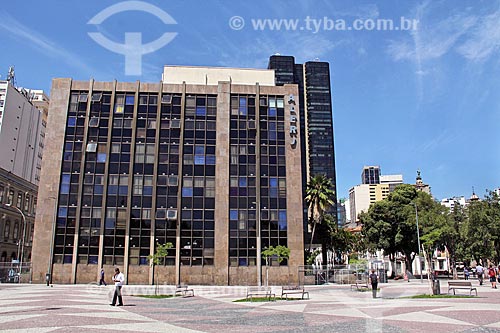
[(338, 240), (280, 252), (481, 231), (444, 233), (390, 224), (158, 257), (320, 196)]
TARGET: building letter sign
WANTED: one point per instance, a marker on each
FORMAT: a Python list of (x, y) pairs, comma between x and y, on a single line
[(293, 121)]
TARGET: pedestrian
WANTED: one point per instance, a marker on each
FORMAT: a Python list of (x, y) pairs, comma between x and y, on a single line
[(466, 273), (374, 281), (492, 273), (118, 279), (101, 281), (479, 272)]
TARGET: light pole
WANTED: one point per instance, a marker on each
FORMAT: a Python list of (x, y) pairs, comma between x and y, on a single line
[(418, 240), (52, 236), (20, 245)]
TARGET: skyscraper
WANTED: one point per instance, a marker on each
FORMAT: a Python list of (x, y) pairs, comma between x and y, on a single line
[(370, 175), (316, 118)]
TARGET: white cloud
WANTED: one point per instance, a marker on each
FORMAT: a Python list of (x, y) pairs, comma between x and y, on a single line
[(484, 39), (432, 41), (40, 42)]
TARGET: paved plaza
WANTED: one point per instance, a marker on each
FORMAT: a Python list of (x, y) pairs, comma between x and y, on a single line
[(333, 308)]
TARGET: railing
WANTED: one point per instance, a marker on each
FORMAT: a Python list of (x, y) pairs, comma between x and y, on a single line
[(341, 274), (15, 273)]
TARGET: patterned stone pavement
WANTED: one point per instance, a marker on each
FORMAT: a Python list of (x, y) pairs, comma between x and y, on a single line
[(85, 308)]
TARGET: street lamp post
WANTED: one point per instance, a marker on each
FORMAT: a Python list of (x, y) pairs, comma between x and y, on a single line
[(418, 240), (20, 245)]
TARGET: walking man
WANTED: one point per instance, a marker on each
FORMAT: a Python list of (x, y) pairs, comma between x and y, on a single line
[(118, 279), (480, 272), (101, 281), (374, 282)]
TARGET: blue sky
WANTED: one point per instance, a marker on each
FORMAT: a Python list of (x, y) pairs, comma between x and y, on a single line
[(405, 100)]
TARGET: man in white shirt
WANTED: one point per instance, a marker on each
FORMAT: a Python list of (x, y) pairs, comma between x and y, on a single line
[(118, 279), (480, 272)]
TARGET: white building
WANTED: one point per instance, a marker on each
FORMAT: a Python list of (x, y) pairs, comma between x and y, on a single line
[(363, 195), (22, 131), (450, 203)]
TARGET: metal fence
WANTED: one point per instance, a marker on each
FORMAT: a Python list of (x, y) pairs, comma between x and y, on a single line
[(15, 273), (340, 274)]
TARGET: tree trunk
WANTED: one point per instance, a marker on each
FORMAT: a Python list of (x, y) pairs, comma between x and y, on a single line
[(324, 254), (312, 237)]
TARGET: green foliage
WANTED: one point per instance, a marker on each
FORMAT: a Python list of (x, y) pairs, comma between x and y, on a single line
[(482, 229), (320, 196), (312, 256), (280, 251), (471, 233), (160, 254)]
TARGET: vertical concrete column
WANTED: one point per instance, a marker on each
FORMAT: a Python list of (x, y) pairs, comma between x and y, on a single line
[(48, 189), (221, 256), (293, 185)]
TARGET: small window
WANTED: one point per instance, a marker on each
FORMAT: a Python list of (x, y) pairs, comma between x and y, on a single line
[(166, 99), (71, 121), (91, 147), (94, 122), (175, 123), (263, 101), (96, 97), (129, 100), (172, 180), (161, 213), (83, 97)]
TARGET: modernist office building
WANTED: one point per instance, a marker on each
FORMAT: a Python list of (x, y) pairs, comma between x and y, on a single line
[(209, 159), (316, 118)]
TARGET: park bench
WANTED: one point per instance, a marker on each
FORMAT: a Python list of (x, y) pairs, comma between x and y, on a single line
[(467, 285), (183, 290), (286, 290), (360, 284), (266, 292)]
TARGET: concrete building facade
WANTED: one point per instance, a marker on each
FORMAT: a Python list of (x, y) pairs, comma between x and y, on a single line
[(22, 133), (213, 167)]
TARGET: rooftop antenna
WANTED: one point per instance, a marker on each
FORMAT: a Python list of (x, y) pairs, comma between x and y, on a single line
[(11, 76)]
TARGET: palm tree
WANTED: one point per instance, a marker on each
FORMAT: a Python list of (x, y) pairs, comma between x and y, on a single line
[(319, 198)]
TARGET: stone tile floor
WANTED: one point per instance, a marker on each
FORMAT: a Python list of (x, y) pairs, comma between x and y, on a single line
[(332, 308)]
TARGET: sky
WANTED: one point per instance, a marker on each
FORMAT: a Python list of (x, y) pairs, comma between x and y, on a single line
[(420, 98)]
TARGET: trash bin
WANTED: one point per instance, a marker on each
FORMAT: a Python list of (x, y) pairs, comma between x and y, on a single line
[(47, 278), (436, 287)]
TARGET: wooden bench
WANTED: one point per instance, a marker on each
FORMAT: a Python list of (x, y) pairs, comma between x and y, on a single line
[(467, 285), (359, 285), (286, 290), (266, 292), (183, 290)]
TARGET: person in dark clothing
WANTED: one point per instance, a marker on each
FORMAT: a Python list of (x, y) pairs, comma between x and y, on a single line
[(101, 281), (374, 281), (118, 279)]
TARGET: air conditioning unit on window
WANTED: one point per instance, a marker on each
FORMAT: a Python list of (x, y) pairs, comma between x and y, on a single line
[(166, 99), (171, 214)]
